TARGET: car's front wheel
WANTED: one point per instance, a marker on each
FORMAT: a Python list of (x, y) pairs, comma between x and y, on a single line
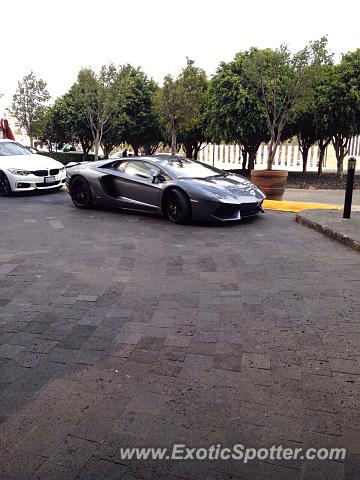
[(5, 187), (177, 208), (80, 192)]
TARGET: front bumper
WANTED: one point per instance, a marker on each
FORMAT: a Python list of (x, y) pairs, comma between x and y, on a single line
[(26, 183), (225, 212)]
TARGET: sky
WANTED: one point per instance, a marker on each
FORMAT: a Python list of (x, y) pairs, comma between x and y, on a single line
[(56, 38)]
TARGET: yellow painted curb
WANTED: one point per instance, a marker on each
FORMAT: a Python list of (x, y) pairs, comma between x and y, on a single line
[(289, 206)]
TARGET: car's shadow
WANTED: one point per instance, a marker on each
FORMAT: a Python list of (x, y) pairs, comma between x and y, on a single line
[(131, 213), (37, 193), (193, 223)]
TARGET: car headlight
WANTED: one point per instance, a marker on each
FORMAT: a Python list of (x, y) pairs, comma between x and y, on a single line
[(16, 171), (61, 169)]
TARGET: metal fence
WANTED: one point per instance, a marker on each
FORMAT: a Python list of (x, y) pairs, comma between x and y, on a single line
[(288, 157)]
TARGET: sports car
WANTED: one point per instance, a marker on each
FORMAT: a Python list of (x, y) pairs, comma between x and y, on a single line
[(176, 187), (22, 171)]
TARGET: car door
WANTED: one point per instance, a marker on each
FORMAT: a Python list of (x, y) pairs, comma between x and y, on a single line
[(136, 187)]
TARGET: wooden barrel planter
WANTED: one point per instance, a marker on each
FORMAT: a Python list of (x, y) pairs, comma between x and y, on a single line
[(271, 182)]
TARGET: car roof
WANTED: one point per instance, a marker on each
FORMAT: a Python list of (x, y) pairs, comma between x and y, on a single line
[(158, 159), (7, 140)]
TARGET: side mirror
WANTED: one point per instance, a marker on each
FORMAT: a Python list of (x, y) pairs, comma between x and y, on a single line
[(158, 177)]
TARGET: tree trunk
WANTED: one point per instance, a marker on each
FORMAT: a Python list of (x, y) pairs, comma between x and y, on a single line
[(341, 145), (173, 140), (340, 164), (244, 155), (305, 154), (196, 150), (107, 149), (188, 147), (252, 156), (274, 143), (86, 149), (147, 150), (321, 160), (97, 144), (31, 141)]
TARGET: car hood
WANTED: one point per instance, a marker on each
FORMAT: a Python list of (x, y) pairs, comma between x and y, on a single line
[(29, 162), (231, 188)]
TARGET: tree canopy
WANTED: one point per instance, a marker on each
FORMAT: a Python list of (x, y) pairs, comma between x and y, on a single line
[(180, 103), (235, 115), (262, 95), (28, 102)]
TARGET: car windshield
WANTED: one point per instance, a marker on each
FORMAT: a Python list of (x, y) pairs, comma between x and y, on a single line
[(12, 148), (181, 168)]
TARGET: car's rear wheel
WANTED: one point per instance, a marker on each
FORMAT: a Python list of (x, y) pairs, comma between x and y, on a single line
[(80, 192), (176, 207), (5, 187)]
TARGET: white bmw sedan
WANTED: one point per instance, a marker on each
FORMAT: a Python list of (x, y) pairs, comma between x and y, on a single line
[(22, 171)]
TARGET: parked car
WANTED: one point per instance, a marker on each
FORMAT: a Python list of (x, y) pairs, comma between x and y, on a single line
[(180, 189), (119, 154), (21, 170)]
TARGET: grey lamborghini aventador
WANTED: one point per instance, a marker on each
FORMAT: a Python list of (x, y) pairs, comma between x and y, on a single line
[(176, 187)]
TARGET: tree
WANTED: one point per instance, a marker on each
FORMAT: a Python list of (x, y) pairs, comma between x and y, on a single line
[(320, 111), (303, 127), (177, 102), (194, 137), (306, 123), (343, 101), (72, 120), (281, 81), (234, 110), (138, 118), (97, 95), (48, 127), (27, 103)]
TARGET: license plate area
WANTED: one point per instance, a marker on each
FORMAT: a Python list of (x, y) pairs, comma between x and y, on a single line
[(49, 179)]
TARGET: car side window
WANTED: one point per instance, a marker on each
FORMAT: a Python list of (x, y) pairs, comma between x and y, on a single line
[(141, 169), (122, 166)]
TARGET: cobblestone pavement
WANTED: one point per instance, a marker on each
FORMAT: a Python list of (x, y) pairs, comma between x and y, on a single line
[(124, 330)]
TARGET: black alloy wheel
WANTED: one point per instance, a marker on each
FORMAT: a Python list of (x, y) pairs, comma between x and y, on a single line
[(5, 187), (177, 207), (80, 192)]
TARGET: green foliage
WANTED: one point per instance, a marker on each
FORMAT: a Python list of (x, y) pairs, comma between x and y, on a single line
[(194, 135), (281, 81), (97, 94), (47, 127), (72, 121), (28, 102), (180, 102), (337, 107), (309, 121), (261, 95), (234, 111), (137, 119)]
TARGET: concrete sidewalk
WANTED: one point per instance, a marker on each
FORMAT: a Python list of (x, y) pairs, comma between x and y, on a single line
[(320, 196), (333, 225)]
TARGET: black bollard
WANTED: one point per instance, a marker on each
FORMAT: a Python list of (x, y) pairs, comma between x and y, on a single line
[(349, 187)]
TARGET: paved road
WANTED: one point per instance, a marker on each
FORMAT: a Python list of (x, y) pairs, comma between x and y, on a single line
[(320, 196), (121, 330)]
